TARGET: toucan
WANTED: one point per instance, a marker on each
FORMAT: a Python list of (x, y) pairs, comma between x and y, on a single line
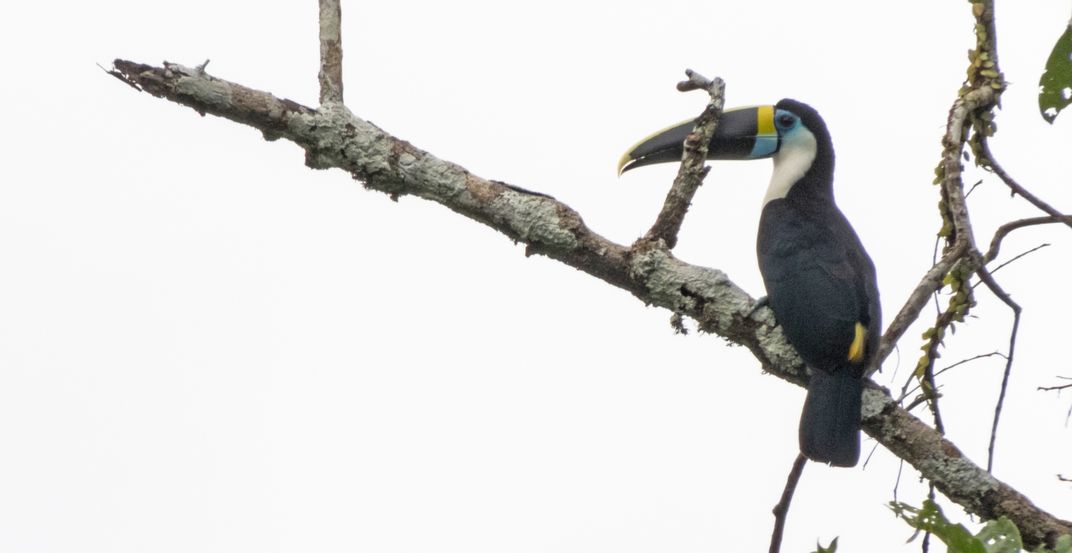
[(820, 281)]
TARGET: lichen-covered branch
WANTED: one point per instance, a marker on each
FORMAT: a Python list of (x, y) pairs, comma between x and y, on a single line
[(333, 137)]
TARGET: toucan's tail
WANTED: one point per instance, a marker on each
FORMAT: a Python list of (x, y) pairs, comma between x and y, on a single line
[(830, 423)]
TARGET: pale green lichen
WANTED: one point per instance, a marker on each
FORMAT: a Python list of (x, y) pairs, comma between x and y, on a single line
[(960, 474), (700, 292), (534, 219), (431, 178), (213, 93), (336, 138), (874, 402)]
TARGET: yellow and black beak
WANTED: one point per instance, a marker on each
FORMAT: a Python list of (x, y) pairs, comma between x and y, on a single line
[(742, 133)]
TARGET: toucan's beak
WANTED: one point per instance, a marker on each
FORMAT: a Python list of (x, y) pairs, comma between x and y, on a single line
[(742, 133)]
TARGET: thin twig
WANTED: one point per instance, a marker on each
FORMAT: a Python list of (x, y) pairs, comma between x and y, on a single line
[(972, 189), (692, 170), (1016, 257), (905, 391), (934, 261), (1057, 388), (928, 377), (897, 481), (989, 162), (988, 279), (330, 52), (1004, 230), (920, 400), (926, 544), (781, 510)]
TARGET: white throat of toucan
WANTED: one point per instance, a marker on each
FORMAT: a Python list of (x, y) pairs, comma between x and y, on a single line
[(793, 158)]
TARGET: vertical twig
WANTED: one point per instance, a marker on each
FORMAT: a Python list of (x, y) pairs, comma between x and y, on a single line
[(986, 277), (925, 545), (330, 52), (781, 510), (692, 171)]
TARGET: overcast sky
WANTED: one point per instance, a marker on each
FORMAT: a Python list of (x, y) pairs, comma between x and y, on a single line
[(206, 346)]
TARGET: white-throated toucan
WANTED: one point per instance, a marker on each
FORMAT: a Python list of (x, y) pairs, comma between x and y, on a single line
[(820, 281)]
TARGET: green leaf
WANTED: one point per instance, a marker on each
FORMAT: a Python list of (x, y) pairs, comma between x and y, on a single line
[(1000, 536), (1055, 85), (832, 548), (997, 536), (929, 518)]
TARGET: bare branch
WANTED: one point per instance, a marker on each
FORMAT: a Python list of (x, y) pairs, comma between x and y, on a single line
[(988, 279), (1058, 387), (333, 137), (692, 171), (330, 52), (781, 510), (986, 159), (1017, 256), (1004, 230)]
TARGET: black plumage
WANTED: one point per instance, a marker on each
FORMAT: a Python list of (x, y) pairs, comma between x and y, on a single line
[(820, 284)]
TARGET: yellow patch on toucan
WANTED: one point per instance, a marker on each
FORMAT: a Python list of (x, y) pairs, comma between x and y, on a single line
[(765, 121), (859, 340)]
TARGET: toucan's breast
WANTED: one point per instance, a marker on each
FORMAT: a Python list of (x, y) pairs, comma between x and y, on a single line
[(818, 281)]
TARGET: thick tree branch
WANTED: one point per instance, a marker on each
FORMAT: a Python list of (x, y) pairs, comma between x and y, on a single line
[(333, 137)]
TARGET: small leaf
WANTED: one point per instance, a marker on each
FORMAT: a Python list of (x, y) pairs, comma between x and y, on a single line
[(929, 518), (1000, 536), (1055, 85), (832, 548)]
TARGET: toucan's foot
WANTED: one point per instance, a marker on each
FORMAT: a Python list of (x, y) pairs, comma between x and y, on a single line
[(761, 302)]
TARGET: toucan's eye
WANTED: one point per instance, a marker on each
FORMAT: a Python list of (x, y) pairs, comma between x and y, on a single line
[(786, 120)]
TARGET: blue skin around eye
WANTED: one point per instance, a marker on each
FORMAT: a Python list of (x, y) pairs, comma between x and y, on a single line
[(765, 146)]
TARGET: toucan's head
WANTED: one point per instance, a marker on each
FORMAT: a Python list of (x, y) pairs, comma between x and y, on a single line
[(791, 132)]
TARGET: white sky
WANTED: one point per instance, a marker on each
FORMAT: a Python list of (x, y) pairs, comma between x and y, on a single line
[(206, 346)]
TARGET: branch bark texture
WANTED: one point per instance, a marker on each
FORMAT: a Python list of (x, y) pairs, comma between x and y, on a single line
[(333, 137), (330, 51)]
